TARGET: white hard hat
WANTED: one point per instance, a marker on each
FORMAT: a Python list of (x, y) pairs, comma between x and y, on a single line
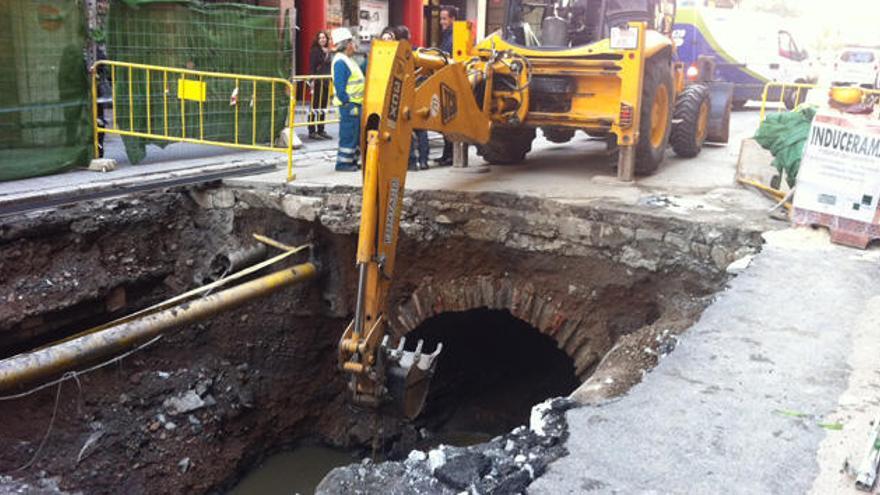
[(341, 34)]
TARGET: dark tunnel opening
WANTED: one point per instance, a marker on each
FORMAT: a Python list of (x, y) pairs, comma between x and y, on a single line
[(494, 367)]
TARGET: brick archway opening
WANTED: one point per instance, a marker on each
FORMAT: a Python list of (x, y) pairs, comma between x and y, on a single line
[(493, 369)]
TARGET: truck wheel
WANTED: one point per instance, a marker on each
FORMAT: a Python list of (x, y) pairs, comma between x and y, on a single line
[(558, 134), (691, 121), (507, 145), (656, 114)]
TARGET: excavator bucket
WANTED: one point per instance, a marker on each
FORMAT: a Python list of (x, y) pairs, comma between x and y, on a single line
[(408, 375)]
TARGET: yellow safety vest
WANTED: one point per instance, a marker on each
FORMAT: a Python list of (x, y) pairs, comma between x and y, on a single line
[(355, 84)]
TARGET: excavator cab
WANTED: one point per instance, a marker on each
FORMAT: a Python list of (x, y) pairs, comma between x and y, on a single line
[(555, 24)]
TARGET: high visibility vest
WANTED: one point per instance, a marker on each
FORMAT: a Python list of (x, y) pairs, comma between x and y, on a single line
[(355, 84)]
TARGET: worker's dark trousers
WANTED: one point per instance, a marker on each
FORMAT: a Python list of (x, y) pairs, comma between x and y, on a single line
[(349, 136), (418, 151)]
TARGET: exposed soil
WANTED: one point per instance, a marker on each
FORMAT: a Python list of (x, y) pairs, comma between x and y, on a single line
[(263, 378)]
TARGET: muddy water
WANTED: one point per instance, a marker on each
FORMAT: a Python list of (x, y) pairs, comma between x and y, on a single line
[(296, 471), (300, 470)]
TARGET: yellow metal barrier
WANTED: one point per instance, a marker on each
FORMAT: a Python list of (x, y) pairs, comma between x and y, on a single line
[(194, 91), (798, 93)]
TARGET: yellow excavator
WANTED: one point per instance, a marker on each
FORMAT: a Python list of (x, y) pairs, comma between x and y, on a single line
[(605, 67)]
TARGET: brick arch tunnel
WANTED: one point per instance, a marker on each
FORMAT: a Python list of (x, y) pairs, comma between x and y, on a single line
[(509, 345)]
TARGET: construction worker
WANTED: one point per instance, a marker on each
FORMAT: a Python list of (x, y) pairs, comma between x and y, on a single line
[(419, 147), (348, 85), (448, 16)]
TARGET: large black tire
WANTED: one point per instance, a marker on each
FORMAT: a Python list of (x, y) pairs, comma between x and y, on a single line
[(651, 148), (507, 145), (691, 119), (740, 104), (558, 135)]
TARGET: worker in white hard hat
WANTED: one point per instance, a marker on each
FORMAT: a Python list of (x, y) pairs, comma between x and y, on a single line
[(348, 85)]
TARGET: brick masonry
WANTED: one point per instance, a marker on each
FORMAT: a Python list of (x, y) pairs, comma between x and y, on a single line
[(637, 239)]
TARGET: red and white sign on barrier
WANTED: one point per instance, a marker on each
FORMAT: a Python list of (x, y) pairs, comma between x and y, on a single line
[(838, 183)]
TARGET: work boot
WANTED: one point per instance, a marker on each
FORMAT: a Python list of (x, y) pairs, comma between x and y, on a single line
[(443, 162), (412, 167), (324, 135), (314, 136), (423, 166)]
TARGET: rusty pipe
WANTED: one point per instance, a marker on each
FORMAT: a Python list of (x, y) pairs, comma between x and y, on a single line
[(230, 262), (31, 366)]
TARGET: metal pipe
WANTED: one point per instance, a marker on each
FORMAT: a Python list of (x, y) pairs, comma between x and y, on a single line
[(430, 59), (42, 363), (230, 262), (626, 166)]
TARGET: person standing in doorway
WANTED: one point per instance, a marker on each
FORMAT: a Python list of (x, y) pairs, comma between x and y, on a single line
[(320, 59), (448, 16), (348, 84)]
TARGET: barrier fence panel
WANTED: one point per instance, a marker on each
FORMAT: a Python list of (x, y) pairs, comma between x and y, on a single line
[(791, 95), (168, 104)]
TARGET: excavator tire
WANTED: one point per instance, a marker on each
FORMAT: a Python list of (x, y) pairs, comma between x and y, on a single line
[(557, 134), (691, 121), (507, 145), (656, 114)]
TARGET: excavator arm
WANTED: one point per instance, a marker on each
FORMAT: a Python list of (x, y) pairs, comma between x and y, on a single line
[(409, 90)]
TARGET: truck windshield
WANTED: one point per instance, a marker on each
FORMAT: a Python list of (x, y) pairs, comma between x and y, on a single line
[(525, 20)]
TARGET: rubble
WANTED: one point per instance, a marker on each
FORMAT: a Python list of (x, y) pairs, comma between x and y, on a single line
[(505, 465), (188, 402)]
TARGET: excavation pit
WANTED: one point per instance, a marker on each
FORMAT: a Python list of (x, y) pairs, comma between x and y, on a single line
[(532, 299)]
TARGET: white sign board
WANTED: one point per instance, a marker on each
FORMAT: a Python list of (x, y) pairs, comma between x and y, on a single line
[(373, 16), (840, 170)]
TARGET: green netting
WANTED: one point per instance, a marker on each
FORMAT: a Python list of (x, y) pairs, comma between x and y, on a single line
[(224, 37), (44, 118)]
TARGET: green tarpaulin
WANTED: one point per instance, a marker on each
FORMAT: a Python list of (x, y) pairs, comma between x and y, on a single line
[(784, 135), (44, 117)]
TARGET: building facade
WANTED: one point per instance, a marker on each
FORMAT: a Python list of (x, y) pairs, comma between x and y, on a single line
[(422, 17)]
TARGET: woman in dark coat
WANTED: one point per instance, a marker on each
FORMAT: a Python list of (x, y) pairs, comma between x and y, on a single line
[(320, 61)]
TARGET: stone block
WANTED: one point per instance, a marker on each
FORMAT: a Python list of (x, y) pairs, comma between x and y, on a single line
[(302, 207), (678, 241), (636, 259), (486, 230), (612, 236), (223, 198), (649, 235), (721, 257)]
